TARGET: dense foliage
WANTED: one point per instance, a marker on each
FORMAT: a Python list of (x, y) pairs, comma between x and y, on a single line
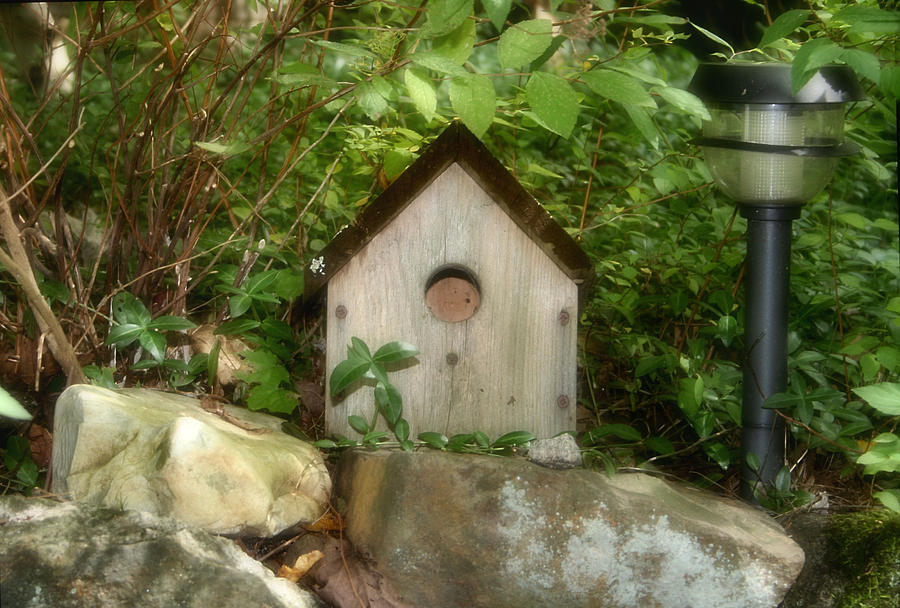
[(191, 164)]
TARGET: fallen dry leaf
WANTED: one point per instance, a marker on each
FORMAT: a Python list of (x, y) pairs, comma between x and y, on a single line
[(301, 566), (329, 522)]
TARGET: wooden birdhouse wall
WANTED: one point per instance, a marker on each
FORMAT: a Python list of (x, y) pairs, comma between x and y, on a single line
[(510, 366)]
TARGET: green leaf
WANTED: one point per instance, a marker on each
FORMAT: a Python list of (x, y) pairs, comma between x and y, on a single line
[(641, 119), (346, 372), (390, 401), (123, 335), (297, 74), (481, 439), (229, 149), (884, 397), (619, 87), (514, 438), (128, 309), (401, 430), (554, 102), (497, 11), (524, 42), (272, 398), (359, 349), (712, 36), (394, 351), (660, 445), (170, 323), (260, 282), (370, 100), (154, 343), (684, 101), (325, 444), (811, 56), (458, 44), (239, 304), (473, 99), (342, 48), (870, 20), (438, 63), (358, 424), (420, 90), (863, 63), (719, 452), (444, 16), (623, 431), (11, 408), (889, 498), (726, 329), (783, 25), (373, 437), (212, 362), (434, 440), (236, 327)]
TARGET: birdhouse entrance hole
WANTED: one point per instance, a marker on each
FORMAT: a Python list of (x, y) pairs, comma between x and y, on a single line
[(452, 293)]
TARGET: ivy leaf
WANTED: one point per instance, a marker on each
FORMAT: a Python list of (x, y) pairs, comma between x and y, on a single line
[(513, 438), (497, 11), (458, 44), (390, 401), (395, 351), (444, 16), (11, 408), (434, 440), (346, 372), (524, 42), (474, 101), (619, 87), (421, 92), (554, 102), (358, 424), (785, 24), (401, 431), (884, 397)]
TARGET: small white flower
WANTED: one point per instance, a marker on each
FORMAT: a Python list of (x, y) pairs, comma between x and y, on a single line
[(317, 266)]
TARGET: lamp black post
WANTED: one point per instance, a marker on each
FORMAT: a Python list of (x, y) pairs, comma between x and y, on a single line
[(771, 150)]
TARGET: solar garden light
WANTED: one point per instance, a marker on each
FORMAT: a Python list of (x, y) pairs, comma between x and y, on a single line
[(771, 150)]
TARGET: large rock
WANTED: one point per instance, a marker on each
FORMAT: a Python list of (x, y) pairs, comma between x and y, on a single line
[(69, 555), (145, 450), (461, 530)]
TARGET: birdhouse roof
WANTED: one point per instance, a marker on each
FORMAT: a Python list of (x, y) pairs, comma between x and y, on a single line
[(455, 145)]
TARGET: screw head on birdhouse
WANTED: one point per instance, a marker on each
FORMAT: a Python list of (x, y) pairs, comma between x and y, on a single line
[(457, 259)]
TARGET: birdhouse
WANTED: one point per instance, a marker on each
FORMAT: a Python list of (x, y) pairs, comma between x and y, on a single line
[(457, 259)]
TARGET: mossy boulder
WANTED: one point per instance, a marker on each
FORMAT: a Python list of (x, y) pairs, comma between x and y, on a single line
[(853, 560)]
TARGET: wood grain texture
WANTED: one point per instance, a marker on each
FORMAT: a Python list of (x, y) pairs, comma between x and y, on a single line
[(514, 358)]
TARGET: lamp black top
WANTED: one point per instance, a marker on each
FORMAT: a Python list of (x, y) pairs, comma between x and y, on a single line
[(771, 83)]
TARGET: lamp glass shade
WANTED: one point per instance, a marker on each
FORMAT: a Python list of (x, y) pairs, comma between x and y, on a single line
[(782, 164)]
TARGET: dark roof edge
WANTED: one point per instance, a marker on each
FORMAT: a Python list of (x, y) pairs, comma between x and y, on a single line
[(455, 144)]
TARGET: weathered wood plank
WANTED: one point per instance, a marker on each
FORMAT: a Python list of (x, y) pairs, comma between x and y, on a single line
[(504, 368)]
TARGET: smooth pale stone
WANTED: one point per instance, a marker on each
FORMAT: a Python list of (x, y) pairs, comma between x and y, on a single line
[(162, 453)]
